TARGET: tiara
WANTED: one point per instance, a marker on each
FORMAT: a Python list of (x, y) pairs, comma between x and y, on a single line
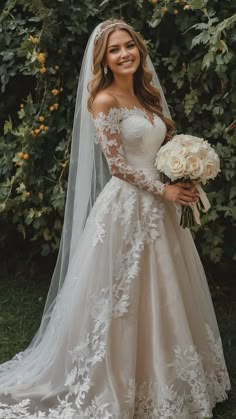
[(101, 31)]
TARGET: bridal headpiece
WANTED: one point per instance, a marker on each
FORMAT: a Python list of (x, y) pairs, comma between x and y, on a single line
[(102, 30)]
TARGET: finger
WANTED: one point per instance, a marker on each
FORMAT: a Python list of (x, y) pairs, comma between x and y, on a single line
[(188, 197), (186, 185), (190, 191), (188, 204), (182, 202)]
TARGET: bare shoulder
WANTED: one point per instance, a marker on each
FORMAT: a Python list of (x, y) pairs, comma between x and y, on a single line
[(103, 102)]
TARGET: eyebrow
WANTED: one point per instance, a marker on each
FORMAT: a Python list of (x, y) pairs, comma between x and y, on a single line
[(112, 46)]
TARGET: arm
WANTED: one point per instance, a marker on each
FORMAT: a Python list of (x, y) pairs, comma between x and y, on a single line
[(106, 119)]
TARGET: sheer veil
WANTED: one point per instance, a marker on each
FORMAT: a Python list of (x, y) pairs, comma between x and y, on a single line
[(88, 174)]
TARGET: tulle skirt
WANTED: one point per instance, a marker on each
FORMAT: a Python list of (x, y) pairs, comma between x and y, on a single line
[(133, 334)]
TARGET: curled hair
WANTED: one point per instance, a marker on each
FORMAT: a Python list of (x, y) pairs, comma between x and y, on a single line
[(147, 94)]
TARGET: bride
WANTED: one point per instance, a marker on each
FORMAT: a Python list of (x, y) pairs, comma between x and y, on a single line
[(129, 329)]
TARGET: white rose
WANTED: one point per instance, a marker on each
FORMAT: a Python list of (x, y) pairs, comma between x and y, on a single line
[(195, 148), (177, 166), (204, 149), (211, 154), (194, 167), (179, 150), (186, 139), (211, 168), (161, 162)]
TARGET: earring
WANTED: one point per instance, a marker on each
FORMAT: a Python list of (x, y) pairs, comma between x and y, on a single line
[(105, 70)]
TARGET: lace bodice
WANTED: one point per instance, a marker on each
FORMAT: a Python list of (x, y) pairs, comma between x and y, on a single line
[(130, 141)]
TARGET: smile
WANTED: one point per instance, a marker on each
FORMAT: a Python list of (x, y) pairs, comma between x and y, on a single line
[(126, 62)]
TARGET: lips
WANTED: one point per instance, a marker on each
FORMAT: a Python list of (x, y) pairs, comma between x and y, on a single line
[(126, 62)]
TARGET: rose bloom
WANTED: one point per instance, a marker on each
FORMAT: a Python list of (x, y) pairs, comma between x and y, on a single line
[(194, 167), (211, 168), (186, 139), (204, 150), (177, 167), (181, 151), (195, 148), (161, 163)]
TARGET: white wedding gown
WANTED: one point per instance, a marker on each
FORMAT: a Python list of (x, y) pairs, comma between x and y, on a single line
[(133, 334)]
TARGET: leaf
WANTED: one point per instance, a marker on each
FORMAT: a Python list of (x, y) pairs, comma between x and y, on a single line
[(21, 188), (208, 59), (197, 4), (21, 113), (7, 126), (21, 230)]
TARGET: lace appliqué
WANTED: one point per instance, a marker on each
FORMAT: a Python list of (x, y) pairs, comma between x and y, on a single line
[(125, 205), (108, 129), (201, 388)]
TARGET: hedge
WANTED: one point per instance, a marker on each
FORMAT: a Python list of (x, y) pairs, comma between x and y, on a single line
[(192, 45)]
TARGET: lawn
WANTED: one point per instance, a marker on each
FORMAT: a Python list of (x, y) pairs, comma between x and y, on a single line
[(21, 306)]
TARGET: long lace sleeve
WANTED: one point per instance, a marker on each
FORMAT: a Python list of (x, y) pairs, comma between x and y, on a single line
[(108, 131)]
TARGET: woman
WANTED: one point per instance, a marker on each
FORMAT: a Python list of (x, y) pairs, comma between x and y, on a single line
[(122, 337)]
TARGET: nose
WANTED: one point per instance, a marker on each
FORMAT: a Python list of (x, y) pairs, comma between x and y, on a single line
[(124, 52)]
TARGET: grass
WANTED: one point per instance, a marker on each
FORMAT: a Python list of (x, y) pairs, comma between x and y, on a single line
[(21, 307)]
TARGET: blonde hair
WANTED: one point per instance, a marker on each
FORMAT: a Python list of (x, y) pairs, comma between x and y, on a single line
[(147, 94)]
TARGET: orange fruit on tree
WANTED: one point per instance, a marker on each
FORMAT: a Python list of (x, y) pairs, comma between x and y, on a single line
[(42, 70), (55, 92), (41, 57)]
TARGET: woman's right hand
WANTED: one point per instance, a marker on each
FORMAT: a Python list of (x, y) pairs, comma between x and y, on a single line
[(181, 193)]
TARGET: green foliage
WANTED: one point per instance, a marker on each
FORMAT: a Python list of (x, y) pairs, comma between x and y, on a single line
[(192, 44)]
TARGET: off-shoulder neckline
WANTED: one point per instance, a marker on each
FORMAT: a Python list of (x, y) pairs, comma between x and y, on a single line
[(132, 109)]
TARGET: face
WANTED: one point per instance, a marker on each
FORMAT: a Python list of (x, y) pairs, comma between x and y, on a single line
[(122, 54)]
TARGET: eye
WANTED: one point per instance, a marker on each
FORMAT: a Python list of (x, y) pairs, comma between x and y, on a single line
[(113, 50), (132, 45)]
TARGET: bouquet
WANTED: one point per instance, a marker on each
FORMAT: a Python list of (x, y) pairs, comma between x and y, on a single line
[(189, 159)]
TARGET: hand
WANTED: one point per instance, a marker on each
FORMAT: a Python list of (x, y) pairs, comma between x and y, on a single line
[(181, 193)]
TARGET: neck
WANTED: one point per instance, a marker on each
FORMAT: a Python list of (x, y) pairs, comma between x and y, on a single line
[(125, 85)]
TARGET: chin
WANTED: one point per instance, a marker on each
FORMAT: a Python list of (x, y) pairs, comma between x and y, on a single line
[(127, 71)]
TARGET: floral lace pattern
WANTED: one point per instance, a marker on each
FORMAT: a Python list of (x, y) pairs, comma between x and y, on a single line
[(124, 211), (147, 400), (108, 129)]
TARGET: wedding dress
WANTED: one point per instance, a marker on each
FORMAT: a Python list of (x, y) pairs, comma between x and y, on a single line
[(133, 334)]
